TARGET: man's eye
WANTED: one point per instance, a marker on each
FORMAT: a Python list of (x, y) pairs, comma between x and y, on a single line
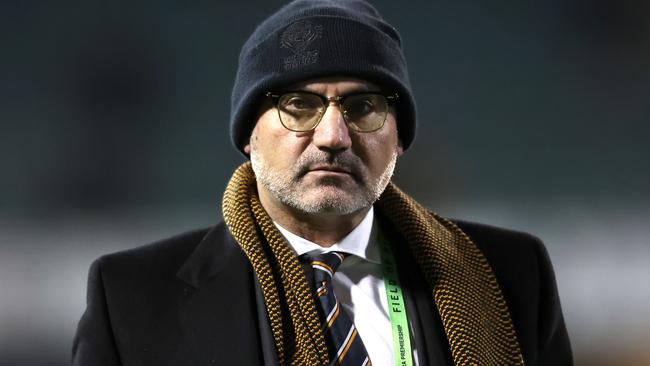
[(300, 103), (360, 107)]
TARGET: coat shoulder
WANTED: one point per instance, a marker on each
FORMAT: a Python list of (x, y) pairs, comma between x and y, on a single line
[(506, 247), (516, 257), (157, 262), (494, 238), (168, 252), (177, 244)]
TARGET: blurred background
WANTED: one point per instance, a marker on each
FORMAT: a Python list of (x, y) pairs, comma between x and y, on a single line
[(113, 134)]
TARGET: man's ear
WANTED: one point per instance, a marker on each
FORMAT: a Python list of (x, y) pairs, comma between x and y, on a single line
[(248, 147), (399, 149)]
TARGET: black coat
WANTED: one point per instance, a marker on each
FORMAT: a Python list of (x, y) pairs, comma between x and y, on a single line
[(194, 300)]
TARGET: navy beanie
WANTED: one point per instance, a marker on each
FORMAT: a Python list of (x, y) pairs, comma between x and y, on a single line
[(308, 39)]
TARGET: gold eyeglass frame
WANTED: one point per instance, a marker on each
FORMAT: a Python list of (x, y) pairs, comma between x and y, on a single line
[(338, 101)]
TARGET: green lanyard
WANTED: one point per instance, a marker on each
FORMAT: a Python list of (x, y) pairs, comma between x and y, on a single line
[(403, 354)]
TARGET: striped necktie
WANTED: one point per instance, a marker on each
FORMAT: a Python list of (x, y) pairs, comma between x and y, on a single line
[(346, 347)]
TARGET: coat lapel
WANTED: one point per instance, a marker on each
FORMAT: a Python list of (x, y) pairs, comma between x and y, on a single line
[(219, 316), (431, 342)]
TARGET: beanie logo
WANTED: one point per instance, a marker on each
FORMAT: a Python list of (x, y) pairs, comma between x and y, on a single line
[(297, 37)]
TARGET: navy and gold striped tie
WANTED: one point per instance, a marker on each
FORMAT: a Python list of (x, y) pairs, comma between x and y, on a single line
[(343, 340)]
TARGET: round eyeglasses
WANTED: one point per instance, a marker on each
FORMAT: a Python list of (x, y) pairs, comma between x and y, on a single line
[(302, 111)]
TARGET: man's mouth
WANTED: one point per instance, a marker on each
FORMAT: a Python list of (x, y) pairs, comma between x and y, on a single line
[(327, 168)]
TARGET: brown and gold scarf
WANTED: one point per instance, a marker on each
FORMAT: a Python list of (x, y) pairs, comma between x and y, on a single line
[(472, 308)]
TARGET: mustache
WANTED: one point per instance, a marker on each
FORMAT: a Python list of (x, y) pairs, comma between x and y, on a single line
[(344, 161)]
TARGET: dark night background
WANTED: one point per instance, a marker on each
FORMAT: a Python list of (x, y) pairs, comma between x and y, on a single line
[(113, 133)]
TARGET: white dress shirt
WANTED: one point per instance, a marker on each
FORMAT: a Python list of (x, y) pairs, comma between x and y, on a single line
[(359, 286)]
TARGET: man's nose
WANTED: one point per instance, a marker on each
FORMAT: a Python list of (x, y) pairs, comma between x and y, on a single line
[(332, 132)]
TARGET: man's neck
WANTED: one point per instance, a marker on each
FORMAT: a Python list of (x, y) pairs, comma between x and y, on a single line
[(324, 229)]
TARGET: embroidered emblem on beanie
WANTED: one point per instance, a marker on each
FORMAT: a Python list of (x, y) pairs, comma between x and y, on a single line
[(297, 38)]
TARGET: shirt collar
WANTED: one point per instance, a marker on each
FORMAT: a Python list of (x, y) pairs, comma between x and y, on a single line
[(361, 241)]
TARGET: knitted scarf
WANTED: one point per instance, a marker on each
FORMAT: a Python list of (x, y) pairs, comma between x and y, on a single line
[(474, 313)]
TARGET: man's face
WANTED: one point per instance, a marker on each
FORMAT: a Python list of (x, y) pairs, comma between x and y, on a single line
[(330, 169)]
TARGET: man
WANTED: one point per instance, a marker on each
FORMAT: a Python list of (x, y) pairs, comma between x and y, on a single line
[(320, 259)]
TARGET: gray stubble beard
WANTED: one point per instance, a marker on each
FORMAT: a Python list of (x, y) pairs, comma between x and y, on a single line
[(285, 187)]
